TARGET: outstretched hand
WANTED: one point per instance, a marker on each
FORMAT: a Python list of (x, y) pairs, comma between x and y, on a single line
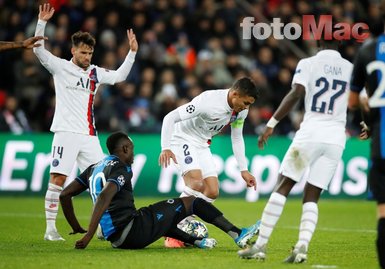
[(46, 12), (83, 243), (30, 43), (132, 40), (165, 156)]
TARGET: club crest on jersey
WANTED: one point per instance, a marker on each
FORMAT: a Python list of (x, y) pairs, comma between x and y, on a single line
[(55, 162), (188, 160), (121, 180), (190, 109), (233, 117)]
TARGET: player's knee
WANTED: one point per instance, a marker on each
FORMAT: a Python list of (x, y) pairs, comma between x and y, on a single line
[(212, 194), (196, 184), (57, 179)]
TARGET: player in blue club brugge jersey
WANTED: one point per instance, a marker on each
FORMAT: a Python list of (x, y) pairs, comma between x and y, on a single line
[(369, 72), (109, 185)]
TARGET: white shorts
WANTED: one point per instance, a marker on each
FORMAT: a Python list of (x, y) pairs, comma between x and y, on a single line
[(68, 148), (190, 157), (322, 160)]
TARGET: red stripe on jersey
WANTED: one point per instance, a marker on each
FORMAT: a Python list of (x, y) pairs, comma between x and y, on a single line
[(90, 109)]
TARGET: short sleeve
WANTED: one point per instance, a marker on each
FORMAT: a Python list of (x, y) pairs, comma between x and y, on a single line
[(83, 177), (121, 176), (302, 73)]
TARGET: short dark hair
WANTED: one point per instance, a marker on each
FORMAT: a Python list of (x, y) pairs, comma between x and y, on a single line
[(246, 86), (83, 37), (114, 140)]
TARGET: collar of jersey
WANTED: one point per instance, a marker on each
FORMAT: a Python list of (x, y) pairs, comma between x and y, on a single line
[(329, 52)]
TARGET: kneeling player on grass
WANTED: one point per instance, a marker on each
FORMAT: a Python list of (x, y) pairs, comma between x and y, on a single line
[(109, 184)]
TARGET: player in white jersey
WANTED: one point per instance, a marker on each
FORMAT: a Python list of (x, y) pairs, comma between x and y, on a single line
[(76, 83), (323, 82), (187, 132)]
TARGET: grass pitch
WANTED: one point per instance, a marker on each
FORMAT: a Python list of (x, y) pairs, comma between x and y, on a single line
[(344, 238)]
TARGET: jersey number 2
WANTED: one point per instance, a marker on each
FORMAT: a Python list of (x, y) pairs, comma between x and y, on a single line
[(377, 99), (324, 86)]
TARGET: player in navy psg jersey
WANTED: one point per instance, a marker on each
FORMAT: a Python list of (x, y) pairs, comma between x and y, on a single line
[(109, 185)]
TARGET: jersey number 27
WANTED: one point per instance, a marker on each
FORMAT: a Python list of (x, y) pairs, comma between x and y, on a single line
[(320, 106)]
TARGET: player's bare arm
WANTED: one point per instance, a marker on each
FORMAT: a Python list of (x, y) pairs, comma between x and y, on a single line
[(132, 40), (101, 205), (29, 43), (73, 189), (249, 179), (46, 12), (165, 158), (296, 93)]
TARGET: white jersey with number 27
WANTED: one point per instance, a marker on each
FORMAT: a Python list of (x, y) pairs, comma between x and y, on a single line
[(325, 77)]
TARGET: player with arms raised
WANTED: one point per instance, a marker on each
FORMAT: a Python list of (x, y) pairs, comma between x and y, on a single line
[(76, 83), (323, 82)]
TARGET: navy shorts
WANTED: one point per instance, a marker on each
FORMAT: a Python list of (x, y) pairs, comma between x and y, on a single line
[(153, 222), (377, 180)]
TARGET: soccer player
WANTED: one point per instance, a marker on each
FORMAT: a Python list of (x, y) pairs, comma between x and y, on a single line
[(187, 132), (322, 81), (369, 72), (109, 184), (29, 43), (76, 83)]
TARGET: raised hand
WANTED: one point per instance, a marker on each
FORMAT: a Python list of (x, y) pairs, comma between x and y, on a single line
[(132, 40), (46, 12)]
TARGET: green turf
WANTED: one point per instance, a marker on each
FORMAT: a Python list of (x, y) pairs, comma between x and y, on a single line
[(344, 239)]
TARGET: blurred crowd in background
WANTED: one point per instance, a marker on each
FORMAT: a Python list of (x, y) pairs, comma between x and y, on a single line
[(185, 47)]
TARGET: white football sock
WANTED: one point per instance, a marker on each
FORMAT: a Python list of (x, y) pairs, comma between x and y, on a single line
[(52, 206), (308, 223), (270, 216), (187, 191)]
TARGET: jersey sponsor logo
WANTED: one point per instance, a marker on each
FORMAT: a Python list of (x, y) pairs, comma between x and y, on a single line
[(159, 216), (55, 162), (179, 208), (121, 180), (190, 109), (188, 160)]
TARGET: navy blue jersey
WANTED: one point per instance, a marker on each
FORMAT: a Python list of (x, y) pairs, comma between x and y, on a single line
[(369, 72), (122, 208)]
